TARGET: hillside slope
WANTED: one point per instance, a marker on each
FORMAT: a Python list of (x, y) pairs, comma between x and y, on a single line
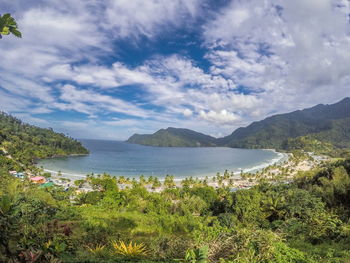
[(23, 142), (326, 123), (174, 137)]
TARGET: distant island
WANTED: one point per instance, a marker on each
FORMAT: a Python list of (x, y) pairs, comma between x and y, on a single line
[(322, 128)]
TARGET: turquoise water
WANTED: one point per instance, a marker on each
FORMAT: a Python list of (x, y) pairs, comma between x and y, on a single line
[(121, 158)]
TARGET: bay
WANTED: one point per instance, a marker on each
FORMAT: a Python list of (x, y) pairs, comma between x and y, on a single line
[(124, 159)]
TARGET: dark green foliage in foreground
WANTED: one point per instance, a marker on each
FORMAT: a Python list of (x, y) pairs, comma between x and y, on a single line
[(24, 142), (305, 221), (174, 137)]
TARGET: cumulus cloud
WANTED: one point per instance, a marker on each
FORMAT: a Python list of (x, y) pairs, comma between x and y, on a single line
[(187, 112), (222, 117), (291, 54), (173, 82), (259, 58)]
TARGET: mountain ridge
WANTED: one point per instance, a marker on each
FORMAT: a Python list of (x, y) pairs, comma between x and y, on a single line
[(274, 131), (327, 123), (174, 137)]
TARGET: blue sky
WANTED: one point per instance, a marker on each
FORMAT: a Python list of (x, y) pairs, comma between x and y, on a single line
[(108, 69)]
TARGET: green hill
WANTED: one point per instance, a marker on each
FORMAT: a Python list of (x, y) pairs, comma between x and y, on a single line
[(25, 143), (174, 137), (320, 128), (325, 123)]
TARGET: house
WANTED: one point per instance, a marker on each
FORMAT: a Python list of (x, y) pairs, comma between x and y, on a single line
[(17, 174), (38, 179)]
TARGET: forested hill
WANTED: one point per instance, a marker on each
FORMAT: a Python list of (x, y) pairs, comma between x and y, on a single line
[(174, 137), (323, 128), (23, 142), (325, 123)]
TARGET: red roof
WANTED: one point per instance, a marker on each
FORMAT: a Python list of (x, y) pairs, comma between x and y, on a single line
[(37, 178)]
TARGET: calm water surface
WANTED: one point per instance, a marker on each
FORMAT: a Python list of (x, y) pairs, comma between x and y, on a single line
[(121, 158)]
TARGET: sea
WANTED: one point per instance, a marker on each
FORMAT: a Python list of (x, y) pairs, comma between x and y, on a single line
[(119, 158)]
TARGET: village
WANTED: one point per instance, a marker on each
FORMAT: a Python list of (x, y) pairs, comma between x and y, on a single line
[(41, 181), (283, 171)]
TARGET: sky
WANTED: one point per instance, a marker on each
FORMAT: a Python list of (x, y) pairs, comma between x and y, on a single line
[(106, 69)]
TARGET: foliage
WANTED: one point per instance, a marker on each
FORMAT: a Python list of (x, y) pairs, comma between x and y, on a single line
[(304, 221), (174, 137), (98, 250), (197, 255), (132, 250), (322, 123), (8, 25), (322, 129), (23, 143)]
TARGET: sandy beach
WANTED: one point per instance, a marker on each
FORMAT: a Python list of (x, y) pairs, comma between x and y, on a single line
[(280, 158), (282, 168)]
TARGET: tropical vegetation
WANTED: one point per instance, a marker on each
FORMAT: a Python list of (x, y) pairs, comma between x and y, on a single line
[(324, 129), (303, 221), (174, 137), (21, 144)]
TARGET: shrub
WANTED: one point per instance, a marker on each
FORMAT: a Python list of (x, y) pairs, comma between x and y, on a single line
[(132, 250)]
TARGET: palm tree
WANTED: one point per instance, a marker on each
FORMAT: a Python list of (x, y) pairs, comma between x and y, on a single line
[(273, 207)]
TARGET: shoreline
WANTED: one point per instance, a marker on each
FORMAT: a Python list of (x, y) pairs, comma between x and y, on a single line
[(281, 169), (280, 158), (62, 156)]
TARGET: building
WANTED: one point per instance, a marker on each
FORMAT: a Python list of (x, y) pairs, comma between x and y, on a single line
[(38, 179), (17, 174)]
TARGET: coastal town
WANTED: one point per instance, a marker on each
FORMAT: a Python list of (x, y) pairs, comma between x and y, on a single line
[(283, 171)]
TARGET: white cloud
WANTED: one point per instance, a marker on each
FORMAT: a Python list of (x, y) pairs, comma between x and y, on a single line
[(147, 18), (290, 54), (221, 117), (187, 112), (59, 35), (88, 101), (173, 83), (285, 54)]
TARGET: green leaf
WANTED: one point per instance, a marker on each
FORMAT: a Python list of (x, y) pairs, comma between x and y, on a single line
[(5, 31), (6, 16), (2, 23), (15, 32), (11, 22), (5, 204), (9, 25)]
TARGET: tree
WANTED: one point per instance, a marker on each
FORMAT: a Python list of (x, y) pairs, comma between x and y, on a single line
[(156, 183), (8, 25), (169, 181)]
